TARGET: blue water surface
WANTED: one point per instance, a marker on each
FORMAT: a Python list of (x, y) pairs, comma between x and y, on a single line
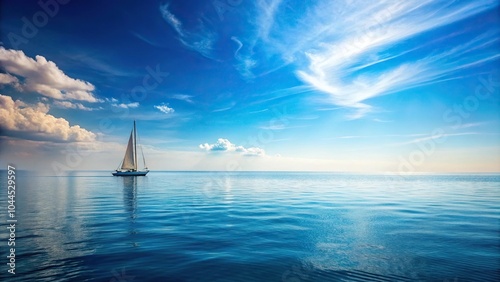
[(253, 226)]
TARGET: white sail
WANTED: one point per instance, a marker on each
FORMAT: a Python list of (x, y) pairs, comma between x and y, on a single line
[(128, 160), (129, 163)]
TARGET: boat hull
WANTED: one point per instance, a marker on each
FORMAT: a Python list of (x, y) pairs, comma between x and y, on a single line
[(130, 173)]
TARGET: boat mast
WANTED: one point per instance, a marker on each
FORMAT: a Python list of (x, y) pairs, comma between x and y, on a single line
[(135, 148)]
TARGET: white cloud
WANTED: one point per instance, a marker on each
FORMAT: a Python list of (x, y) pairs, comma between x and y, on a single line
[(355, 50), (70, 105), (224, 145), (126, 106), (200, 40), (220, 145), (164, 108), (253, 151), (112, 100), (33, 122), (44, 77)]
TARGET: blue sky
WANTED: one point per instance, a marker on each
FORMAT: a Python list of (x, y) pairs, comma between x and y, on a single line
[(372, 86)]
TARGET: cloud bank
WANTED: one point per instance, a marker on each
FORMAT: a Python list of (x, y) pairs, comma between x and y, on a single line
[(224, 145), (34, 123), (43, 77)]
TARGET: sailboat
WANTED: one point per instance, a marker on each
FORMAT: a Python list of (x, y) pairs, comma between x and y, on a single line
[(128, 166)]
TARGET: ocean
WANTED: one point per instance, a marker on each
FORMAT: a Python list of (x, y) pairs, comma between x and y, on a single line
[(252, 226)]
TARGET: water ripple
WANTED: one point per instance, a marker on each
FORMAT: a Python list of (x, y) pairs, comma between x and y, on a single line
[(187, 226)]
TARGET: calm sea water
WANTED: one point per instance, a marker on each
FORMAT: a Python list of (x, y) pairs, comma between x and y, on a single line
[(204, 226)]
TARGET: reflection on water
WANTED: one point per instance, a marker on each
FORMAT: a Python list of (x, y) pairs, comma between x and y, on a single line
[(130, 204), (130, 195), (52, 228), (256, 227)]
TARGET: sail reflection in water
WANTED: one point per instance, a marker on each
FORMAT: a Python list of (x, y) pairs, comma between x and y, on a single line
[(130, 196), (130, 205)]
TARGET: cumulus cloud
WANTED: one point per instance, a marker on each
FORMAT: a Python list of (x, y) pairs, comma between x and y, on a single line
[(8, 79), (164, 108), (224, 145), (252, 151), (220, 145), (33, 122), (126, 106), (42, 76)]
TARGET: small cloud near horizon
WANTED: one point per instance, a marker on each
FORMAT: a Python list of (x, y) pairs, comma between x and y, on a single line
[(224, 145)]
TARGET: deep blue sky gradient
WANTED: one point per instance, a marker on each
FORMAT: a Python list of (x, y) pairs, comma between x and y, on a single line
[(230, 72)]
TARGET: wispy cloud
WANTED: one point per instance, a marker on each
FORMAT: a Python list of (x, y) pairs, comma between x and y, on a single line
[(265, 20), (200, 39), (352, 50), (224, 145), (273, 127), (434, 137), (183, 97), (171, 19), (126, 106), (147, 40), (238, 42), (245, 64), (71, 105), (470, 124), (342, 67), (377, 136), (98, 63), (224, 108)]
